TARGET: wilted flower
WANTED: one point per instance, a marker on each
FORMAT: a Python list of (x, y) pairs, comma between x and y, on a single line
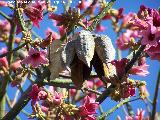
[(36, 57), (120, 66)]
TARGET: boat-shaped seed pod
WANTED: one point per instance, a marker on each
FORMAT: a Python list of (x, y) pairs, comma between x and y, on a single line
[(85, 46), (104, 48)]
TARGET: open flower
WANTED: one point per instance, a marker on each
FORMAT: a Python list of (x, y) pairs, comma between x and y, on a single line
[(141, 70), (35, 58), (154, 52), (89, 107), (124, 39), (150, 36), (35, 13)]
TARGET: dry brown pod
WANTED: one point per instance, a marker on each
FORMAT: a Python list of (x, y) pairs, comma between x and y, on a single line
[(84, 51), (56, 65)]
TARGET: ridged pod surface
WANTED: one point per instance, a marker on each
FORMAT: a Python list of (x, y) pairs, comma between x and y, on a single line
[(56, 65), (104, 48)]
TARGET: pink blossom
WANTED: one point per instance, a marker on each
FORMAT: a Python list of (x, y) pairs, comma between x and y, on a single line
[(34, 93), (35, 58), (15, 65), (89, 84), (62, 30), (139, 115), (3, 62), (128, 90), (141, 70), (3, 50), (37, 94), (3, 3), (4, 27), (83, 4), (127, 18), (154, 52), (120, 66), (125, 39), (100, 28), (35, 12), (55, 35), (89, 107), (150, 36), (57, 98)]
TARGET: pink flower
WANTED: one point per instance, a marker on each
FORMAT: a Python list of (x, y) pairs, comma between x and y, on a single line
[(3, 62), (128, 90), (4, 28), (89, 84), (17, 64), (120, 66), (83, 4), (150, 36), (139, 115), (35, 58), (3, 4), (35, 12), (127, 18), (100, 28), (3, 50), (55, 35), (154, 52), (37, 94), (89, 107), (57, 98), (34, 93), (125, 39), (141, 70)]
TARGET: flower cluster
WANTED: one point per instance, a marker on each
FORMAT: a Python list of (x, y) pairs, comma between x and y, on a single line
[(43, 102)]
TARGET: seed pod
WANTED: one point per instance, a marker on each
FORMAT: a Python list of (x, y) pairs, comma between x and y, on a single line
[(85, 47), (104, 48), (56, 65)]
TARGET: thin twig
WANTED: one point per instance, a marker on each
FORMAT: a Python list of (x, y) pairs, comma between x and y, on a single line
[(13, 50), (5, 16), (155, 97)]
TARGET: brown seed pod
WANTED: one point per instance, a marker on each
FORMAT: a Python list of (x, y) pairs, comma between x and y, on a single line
[(104, 48), (85, 46), (56, 65)]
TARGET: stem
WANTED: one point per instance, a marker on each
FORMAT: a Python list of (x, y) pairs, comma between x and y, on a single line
[(155, 97), (5, 16), (14, 50), (2, 106), (101, 15), (106, 93), (101, 117), (20, 17), (11, 42), (135, 58)]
